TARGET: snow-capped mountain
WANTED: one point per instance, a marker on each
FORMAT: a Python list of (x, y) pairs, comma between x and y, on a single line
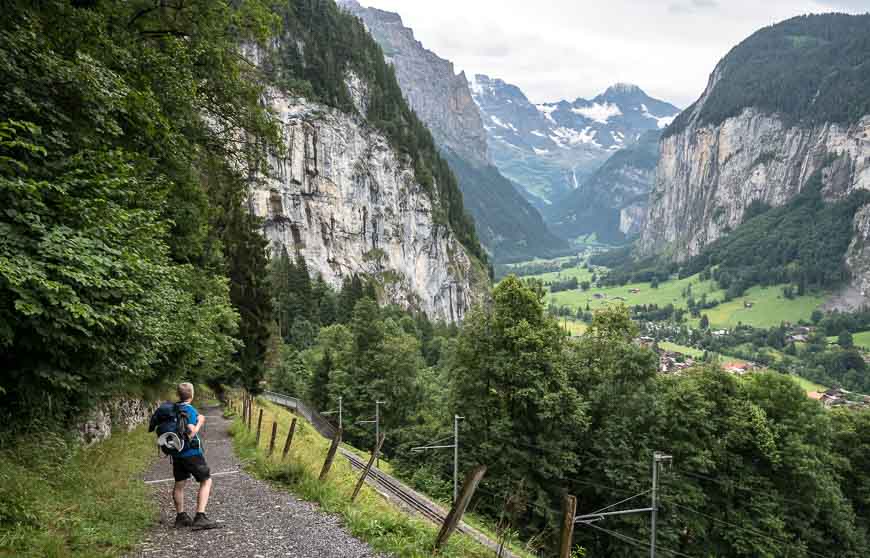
[(551, 148)]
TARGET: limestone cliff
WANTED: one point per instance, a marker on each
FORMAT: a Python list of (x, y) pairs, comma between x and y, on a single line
[(708, 175), (440, 97), (342, 197), (507, 224)]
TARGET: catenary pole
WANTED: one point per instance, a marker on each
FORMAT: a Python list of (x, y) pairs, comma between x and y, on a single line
[(653, 505), (456, 419)]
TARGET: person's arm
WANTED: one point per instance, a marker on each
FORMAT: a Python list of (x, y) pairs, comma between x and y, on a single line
[(194, 428)]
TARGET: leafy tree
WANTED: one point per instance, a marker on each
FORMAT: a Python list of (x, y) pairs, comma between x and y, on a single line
[(845, 340), (510, 379)]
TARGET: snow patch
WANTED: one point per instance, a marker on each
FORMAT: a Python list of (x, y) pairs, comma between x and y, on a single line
[(598, 112), (547, 111), (538, 133), (569, 136), (540, 151), (499, 122), (661, 121)]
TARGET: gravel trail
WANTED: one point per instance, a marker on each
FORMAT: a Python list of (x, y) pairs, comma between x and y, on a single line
[(257, 520)]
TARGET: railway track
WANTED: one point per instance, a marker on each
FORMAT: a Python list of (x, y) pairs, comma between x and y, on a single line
[(388, 486)]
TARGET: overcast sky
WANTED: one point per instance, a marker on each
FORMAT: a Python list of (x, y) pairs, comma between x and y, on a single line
[(563, 49)]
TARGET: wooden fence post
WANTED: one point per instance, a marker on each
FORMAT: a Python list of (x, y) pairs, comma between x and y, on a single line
[(289, 438), (330, 457), (274, 432), (259, 424), (368, 467), (250, 412), (569, 510), (472, 479)]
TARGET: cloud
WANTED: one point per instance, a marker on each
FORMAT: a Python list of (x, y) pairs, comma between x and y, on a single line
[(849, 6), (564, 49), (692, 5)]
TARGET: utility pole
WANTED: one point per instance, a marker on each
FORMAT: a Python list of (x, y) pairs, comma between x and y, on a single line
[(378, 430), (340, 425), (456, 419), (377, 423), (658, 459), (455, 446)]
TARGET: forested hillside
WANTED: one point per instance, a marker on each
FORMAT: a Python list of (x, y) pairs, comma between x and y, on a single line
[(129, 133), (802, 243), (810, 69), (126, 257)]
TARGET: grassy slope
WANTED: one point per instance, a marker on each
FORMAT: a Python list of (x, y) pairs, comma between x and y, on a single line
[(371, 518), (60, 500), (769, 309), (861, 339)]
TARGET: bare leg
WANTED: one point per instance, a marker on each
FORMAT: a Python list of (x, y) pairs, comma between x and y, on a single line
[(178, 496), (202, 497)]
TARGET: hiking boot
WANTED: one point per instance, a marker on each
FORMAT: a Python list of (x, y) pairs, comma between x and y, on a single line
[(201, 522), (183, 520)]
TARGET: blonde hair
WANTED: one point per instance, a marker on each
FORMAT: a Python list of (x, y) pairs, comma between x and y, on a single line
[(185, 391)]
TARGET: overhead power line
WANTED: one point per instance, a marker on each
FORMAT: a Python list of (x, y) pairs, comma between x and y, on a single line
[(635, 542), (745, 528)]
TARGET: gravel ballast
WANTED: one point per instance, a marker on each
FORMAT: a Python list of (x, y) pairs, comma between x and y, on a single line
[(256, 519)]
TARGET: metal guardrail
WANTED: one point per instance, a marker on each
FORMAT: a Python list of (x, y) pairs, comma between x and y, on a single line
[(318, 421)]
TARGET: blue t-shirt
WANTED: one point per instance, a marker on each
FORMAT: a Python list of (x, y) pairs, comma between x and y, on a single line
[(192, 418)]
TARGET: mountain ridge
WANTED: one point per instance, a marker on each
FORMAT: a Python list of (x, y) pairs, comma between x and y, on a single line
[(551, 148), (509, 226)]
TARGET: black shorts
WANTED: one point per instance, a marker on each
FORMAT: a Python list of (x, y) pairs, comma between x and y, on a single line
[(184, 467)]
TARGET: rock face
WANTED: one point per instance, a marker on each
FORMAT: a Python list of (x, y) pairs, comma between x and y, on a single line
[(508, 226), (108, 415), (708, 175), (342, 197), (437, 94), (552, 148)]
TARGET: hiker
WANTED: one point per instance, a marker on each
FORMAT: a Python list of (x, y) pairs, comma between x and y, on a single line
[(187, 460)]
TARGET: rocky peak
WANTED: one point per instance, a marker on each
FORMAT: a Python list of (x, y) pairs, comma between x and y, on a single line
[(551, 148), (437, 94)]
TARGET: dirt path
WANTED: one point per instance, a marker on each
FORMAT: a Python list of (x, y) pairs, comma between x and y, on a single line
[(256, 519)]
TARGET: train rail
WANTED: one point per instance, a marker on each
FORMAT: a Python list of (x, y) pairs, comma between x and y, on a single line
[(390, 487)]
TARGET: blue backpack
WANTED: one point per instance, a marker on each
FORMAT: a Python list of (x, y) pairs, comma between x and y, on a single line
[(170, 418)]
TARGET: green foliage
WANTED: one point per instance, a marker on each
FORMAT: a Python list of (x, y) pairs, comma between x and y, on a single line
[(114, 250), (810, 69), (510, 380), (322, 45), (801, 243)]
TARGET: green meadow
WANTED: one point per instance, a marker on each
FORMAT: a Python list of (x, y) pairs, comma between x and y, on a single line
[(759, 307)]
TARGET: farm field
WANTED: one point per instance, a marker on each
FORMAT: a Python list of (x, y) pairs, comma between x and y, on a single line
[(768, 308), (669, 292), (807, 385), (682, 349), (861, 339)]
